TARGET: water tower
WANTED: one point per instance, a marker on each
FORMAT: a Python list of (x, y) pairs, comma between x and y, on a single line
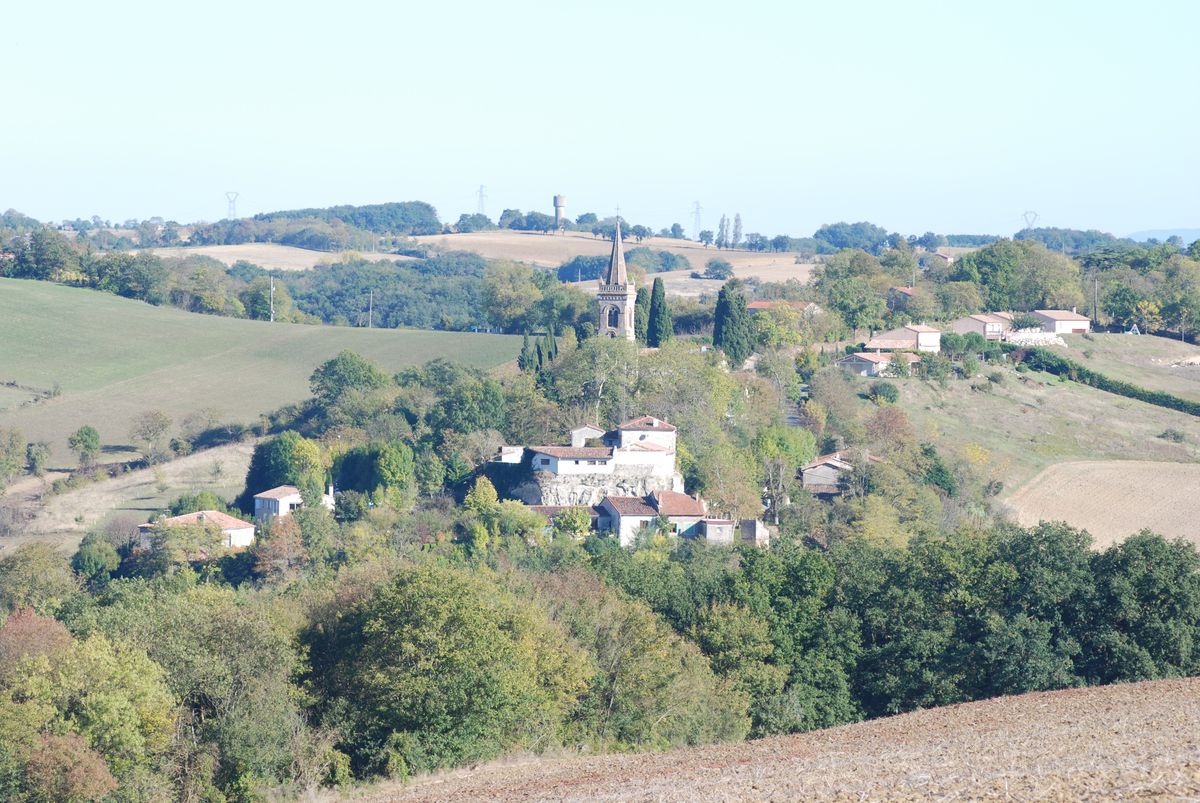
[(560, 202)]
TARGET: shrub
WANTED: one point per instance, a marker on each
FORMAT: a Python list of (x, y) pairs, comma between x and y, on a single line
[(884, 393), (1172, 435), (996, 378)]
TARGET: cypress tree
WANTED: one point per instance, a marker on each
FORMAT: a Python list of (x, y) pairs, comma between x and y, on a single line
[(739, 333), (641, 314), (553, 344), (658, 331), (541, 355), (528, 360), (721, 317)]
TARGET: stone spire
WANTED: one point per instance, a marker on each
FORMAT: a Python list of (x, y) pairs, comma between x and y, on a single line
[(616, 267)]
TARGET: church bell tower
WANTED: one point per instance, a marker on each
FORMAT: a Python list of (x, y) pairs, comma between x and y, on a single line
[(617, 295)]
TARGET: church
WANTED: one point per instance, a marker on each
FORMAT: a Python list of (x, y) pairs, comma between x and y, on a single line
[(617, 295)]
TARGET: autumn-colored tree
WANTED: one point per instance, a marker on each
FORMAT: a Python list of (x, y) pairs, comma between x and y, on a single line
[(63, 769), (279, 553)]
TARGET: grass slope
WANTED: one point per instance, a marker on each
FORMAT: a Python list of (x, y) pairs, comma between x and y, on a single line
[(1012, 430), (1135, 740), (1155, 363), (114, 358)]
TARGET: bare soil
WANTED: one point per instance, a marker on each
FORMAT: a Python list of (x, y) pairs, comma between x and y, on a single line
[(1108, 743), (1112, 499)]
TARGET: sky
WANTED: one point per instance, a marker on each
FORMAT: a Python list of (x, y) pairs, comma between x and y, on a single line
[(955, 117)]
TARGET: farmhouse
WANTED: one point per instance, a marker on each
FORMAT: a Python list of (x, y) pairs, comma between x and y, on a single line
[(235, 533), (823, 476), (991, 325), (626, 482), (641, 449), (1062, 322), (875, 363), (913, 337), (282, 500)]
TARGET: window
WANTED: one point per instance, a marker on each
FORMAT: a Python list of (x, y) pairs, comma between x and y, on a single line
[(545, 461), (614, 317)]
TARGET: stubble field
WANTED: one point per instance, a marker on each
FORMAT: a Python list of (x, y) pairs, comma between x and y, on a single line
[(552, 250), (1137, 740), (1112, 499)]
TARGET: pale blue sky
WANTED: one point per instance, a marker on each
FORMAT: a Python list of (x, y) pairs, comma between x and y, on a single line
[(950, 116)]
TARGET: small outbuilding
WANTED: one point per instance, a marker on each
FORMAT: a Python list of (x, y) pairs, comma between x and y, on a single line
[(1063, 322)]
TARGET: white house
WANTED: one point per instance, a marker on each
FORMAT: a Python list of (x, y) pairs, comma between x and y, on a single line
[(1063, 322), (235, 533), (991, 325), (644, 445), (875, 363), (626, 515), (913, 337), (282, 500), (571, 459)]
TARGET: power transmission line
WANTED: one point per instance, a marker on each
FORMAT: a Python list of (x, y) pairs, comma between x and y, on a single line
[(232, 198), (696, 210)]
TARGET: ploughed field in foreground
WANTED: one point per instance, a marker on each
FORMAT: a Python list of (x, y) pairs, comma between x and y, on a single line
[(1109, 742)]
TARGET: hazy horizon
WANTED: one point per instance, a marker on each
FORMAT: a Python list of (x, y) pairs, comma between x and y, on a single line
[(920, 116)]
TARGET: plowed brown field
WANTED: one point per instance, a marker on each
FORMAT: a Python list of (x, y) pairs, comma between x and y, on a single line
[(1113, 499), (1108, 743)]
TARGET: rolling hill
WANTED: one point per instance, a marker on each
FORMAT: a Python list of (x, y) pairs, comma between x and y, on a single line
[(1065, 451), (552, 250), (112, 358), (1137, 740), (266, 255)]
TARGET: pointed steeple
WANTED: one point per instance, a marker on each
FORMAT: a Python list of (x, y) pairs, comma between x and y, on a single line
[(616, 266)]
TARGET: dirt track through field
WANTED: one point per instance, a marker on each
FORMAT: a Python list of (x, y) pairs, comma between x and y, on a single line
[(1107, 743), (1113, 499)]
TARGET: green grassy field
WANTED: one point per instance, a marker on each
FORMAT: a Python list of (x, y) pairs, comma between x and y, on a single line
[(113, 358), (1012, 430), (1156, 363)]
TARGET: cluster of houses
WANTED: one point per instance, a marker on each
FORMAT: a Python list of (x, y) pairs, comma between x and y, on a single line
[(909, 341), (627, 481)]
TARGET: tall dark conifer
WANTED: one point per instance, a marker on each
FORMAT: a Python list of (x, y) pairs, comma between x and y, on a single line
[(641, 314), (659, 329)]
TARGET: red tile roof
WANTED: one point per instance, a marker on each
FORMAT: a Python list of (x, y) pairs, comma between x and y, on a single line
[(673, 503), (631, 506), (222, 520), (574, 452), (646, 423)]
